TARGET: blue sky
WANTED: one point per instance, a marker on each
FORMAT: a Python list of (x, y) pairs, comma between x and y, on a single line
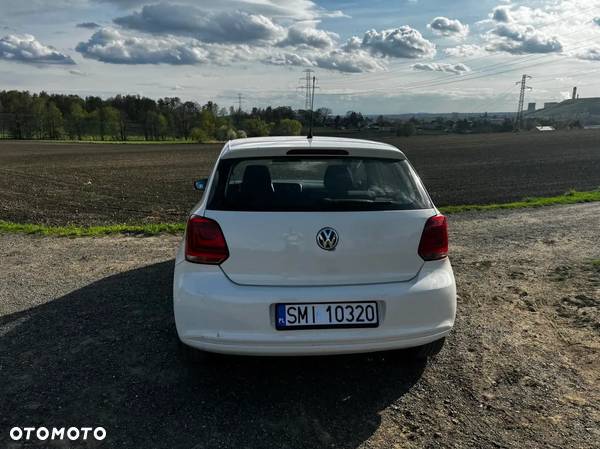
[(374, 56)]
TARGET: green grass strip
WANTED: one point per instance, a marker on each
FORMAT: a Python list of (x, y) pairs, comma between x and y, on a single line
[(121, 142), (92, 231), (571, 197)]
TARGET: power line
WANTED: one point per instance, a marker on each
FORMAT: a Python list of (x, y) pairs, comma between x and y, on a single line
[(505, 93)]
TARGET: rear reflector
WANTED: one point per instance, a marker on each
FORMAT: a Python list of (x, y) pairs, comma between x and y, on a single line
[(205, 242), (434, 240)]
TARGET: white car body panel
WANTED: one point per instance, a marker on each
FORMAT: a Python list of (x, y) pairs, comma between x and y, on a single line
[(278, 146), (280, 249), (214, 314), (274, 258)]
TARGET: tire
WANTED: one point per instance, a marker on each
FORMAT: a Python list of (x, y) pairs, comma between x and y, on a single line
[(428, 350), (192, 355)]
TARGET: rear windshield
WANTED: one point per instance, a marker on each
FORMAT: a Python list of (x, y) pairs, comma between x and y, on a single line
[(316, 184)]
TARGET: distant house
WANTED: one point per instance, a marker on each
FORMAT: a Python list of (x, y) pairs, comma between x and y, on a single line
[(545, 128)]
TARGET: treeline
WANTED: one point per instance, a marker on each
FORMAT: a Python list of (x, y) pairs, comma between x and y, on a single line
[(131, 117), (25, 115)]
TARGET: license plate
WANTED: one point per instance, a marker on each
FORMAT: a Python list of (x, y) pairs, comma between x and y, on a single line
[(326, 315)]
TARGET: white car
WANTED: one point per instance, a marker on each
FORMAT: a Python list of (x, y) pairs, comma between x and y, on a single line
[(313, 246)]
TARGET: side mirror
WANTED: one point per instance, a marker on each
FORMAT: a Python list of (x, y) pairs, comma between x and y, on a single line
[(200, 184)]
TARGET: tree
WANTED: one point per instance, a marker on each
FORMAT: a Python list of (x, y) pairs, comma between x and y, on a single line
[(406, 129), (76, 120), (354, 120), (322, 114), (199, 135), (37, 119), (156, 125), (256, 127), (337, 122), (122, 122), (208, 122), (108, 121), (462, 126), (186, 115), (287, 127), (225, 132), (53, 121), (211, 107)]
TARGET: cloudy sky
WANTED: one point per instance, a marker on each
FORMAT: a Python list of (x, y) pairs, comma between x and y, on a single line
[(376, 56)]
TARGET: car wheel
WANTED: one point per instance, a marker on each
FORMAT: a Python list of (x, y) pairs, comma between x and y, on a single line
[(192, 355), (428, 350)]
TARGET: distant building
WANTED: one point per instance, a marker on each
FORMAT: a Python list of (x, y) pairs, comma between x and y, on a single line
[(550, 104), (545, 128), (531, 107)]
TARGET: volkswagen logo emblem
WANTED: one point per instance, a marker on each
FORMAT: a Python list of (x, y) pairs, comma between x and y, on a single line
[(327, 239)]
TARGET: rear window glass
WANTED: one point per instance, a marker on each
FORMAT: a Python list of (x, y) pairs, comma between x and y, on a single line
[(316, 184)]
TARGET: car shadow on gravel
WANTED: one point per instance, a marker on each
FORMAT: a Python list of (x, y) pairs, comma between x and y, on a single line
[(105, 355)]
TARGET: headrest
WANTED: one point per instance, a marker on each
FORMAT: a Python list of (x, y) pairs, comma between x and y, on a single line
[(338, 178), (257, 178)]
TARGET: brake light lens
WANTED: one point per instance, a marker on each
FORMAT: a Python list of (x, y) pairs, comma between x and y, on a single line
[(434, 240), (205, 242)]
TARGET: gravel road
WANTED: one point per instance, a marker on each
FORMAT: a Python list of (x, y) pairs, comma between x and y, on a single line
[(87, 339)]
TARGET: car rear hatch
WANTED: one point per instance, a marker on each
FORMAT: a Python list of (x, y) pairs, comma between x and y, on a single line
[(281, 248), (271, 210)]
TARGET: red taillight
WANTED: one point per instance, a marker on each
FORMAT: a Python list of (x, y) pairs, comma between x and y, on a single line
[(204, 242), (434, 240)]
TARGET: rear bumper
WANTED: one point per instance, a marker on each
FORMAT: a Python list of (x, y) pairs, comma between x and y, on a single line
[(214, 314)]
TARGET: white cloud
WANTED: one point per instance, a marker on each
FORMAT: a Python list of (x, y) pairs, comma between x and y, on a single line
[(117, 47), (25, 48), (307, 36), (443, 26), (295, 10), (402, 42), (590, 54), (355, 62), (289, 59), (352, 44), (335, 60), (520, 39), (501, 14), (456, 69), (111, 46), (464, 50), (186, 20)]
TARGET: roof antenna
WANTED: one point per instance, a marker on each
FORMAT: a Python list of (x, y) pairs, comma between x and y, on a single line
[(312, 107)]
